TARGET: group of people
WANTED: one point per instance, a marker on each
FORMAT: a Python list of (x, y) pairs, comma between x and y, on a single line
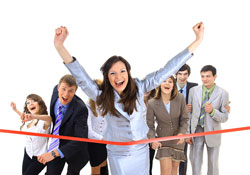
[(181, 107), (120, 109)]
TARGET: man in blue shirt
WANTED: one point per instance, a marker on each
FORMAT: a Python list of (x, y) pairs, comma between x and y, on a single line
[(69, 115)]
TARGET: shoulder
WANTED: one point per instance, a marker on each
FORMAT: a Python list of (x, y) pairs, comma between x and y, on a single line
[(221, 90), (152, 102), (138, 84), (191, 84), (78, 104), (195, 88), (55, 91), (179, 97)]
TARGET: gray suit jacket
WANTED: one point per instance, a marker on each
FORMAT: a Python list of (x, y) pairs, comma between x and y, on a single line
[(218, 99), (169, 124)]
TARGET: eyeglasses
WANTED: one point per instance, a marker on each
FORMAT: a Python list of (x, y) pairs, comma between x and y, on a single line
[(28, 102)]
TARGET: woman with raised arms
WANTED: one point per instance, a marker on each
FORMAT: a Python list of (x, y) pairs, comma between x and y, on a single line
[(120, 98)]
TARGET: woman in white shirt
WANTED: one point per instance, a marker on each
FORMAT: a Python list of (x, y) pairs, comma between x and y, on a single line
[(97, 125), (35, 119)]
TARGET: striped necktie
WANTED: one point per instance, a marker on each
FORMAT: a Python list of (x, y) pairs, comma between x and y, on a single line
[(203, 113), (55, 141)]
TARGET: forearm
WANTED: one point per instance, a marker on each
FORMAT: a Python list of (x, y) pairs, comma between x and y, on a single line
[(18, 112), (83, 80), (46, 118), (65, 55), (220, 116), (194, 45), (154, 79)]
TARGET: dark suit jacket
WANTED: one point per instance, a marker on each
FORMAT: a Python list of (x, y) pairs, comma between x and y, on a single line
[(189, 86), (74, 124)]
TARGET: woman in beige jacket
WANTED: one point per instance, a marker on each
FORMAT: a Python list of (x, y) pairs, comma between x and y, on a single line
[(168, 110)]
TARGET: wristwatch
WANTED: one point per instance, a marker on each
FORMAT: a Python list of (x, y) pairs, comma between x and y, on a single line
[(53, 154)]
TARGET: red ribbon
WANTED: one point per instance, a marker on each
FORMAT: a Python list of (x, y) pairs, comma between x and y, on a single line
[(126, 143)]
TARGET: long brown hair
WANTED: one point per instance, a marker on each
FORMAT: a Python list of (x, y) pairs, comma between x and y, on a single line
[(41, 103), (174, 91), (92, 102), (128, 96)]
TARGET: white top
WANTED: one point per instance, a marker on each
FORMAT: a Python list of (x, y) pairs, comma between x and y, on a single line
[(35, 146), (96, 125)]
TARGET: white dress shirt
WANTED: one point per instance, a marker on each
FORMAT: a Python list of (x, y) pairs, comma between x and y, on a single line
[(35, 146)]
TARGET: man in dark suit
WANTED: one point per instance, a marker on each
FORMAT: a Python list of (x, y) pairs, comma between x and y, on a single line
[(69, 115), (183, 87)]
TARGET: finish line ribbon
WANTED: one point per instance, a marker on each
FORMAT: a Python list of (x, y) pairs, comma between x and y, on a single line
[(126, 143)]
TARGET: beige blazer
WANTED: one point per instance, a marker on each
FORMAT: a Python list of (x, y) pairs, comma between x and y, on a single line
[(168, 124), (218, 99)]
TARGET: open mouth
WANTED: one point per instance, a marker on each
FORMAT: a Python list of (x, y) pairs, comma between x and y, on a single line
[(32, 108), (64, 99), (166, 88), (119, 83)]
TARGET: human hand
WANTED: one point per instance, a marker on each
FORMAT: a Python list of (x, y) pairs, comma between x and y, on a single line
[(189, 107), (60, 36), (208, 108), (27, 117), (228, 108), (199, 31), (156, 145), (189, 140), (180, 140), (44, 158), (13, 106)]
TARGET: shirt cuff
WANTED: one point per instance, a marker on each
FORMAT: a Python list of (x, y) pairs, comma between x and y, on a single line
[(60, 152), (212, 113)]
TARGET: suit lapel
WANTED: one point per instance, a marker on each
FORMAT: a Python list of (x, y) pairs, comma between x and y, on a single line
[(187, 92), (52, 104), (199, 95), (119, 107), (161, 105), (214, 94)]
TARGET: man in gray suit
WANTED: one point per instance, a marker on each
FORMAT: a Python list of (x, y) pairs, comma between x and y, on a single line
[(208, 112)]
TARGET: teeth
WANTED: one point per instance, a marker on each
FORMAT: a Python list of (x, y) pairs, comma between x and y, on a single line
[(119, 81)]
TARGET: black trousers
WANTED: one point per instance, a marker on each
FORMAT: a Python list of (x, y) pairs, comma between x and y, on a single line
[(97, 153), (183, 165), (55, 167), (151, 158), (31, 166)]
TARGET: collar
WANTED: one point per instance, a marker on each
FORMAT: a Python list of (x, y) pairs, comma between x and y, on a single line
[(184, 88)]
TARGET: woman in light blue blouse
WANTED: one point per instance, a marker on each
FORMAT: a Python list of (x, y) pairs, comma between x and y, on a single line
[(121, 101)]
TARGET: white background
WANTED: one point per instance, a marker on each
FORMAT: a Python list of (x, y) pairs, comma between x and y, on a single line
[(146, 33)]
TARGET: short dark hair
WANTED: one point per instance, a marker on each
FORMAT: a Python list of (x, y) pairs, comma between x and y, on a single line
[(185, 67), (209, 68), (68, 79)]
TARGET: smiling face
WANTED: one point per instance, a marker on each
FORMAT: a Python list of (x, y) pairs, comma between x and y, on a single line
[(182, 77), (208, 79), (118, 76), (32, 106), (167, 86), (66, 92)]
